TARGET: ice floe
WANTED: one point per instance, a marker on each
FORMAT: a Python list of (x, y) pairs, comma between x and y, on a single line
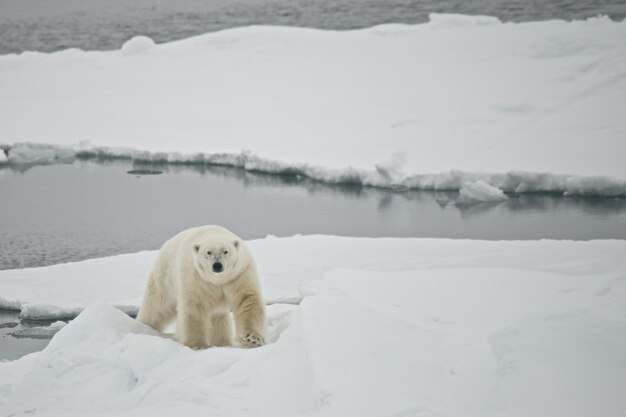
[(524, 107)]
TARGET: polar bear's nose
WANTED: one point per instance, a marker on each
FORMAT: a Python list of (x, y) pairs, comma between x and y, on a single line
[(218, 267)]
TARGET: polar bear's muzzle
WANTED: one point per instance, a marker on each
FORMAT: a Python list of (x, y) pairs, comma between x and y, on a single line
[(218, 267)]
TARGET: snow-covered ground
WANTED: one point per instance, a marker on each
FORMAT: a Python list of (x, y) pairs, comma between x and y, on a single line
[(522, 107), (395, 327), (62, 291)]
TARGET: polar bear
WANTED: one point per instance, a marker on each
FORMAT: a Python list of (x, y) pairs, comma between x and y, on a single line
[(199, 277)]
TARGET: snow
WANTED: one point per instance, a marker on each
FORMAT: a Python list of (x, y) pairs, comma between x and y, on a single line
[(137, 45), (523, 107), (479, 191), (384, 327), (119, 280), (284, 263)]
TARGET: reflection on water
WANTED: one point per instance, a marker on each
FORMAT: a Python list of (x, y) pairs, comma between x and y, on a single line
[(86, 209), (144, 172)]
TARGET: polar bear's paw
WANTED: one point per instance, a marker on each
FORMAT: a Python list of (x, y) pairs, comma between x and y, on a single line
[(251, 340), (195, 344)]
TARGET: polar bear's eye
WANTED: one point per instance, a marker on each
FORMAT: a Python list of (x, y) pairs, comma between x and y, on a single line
[(209, 253), (225, 252)]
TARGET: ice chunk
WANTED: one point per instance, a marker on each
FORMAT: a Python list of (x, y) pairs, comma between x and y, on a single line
[(392, 171), (39, 153), (10, 304), (480, 192), (47, 312), (39, 332), (451, 20)]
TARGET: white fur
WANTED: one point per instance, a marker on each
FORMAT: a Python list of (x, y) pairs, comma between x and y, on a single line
[(184, 285)]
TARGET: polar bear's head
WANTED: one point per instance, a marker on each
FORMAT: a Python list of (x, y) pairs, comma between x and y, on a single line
[(217, 261)]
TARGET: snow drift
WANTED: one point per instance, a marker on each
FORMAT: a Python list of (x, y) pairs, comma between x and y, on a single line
[(523, 107)]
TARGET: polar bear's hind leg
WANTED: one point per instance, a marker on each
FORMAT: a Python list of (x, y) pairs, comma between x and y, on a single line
[(155, 310)]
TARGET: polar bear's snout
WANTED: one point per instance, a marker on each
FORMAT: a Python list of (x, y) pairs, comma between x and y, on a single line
[(218, 267)]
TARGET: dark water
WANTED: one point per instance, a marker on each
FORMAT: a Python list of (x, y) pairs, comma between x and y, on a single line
[(61, 213), (50, 25)]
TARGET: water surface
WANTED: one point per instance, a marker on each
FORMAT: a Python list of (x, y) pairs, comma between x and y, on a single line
[(86, 209)]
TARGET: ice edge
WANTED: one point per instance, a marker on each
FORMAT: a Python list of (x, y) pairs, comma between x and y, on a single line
[(382, 176)]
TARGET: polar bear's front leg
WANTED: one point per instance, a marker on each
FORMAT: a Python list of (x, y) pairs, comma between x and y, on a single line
[(221, 329), (249, 312), (192, 326)]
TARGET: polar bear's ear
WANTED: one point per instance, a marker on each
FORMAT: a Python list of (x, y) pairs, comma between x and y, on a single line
[(236, 243), (196, 248)]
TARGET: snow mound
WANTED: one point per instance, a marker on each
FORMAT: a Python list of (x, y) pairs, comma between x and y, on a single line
[(105, 353), (137, 45), (113, 323), (479, 192)]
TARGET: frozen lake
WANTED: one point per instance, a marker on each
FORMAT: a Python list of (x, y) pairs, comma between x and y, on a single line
[(44, 25), (62, 213)]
